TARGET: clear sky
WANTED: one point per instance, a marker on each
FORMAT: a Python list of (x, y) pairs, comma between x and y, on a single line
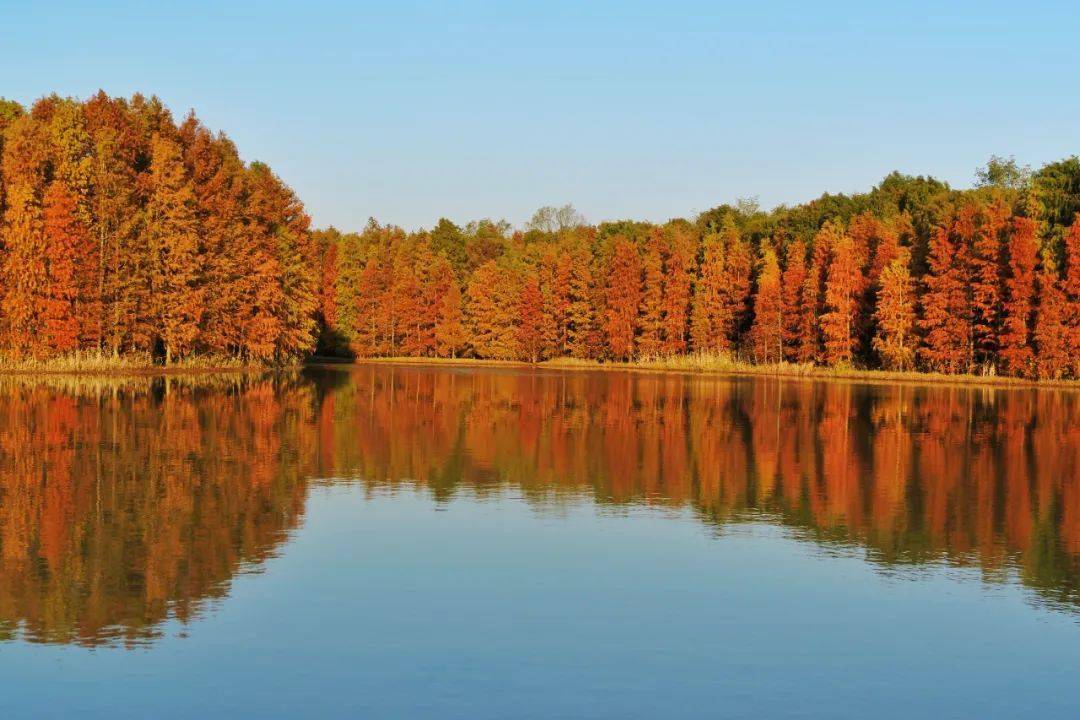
[(409, 111)]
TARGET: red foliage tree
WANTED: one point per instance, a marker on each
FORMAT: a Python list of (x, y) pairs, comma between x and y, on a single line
[(449, 331), (843, 288), (767, 331), (894, 315), (650, 315), (811, 299), (1071, 288), (622, 298), (65, 248), (791, 295), (530, 336), (1016, 352), (172, 231), (946, 306), (678, 280), (1050, 333), (25, 279), (708, 316), (986, 274), (491, 306)]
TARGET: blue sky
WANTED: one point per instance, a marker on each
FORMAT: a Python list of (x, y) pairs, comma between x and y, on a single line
[(409, 111)]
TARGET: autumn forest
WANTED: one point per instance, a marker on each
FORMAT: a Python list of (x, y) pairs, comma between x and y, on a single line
[(126, 233)]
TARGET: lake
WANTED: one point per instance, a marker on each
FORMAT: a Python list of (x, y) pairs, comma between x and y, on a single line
[(413, 541)]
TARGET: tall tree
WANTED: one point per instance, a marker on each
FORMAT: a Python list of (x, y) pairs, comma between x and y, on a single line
[(678, 280), (1071, 287), (708, 317), (791, 295), (622, 296), (1050, 332), (811, 298), (530, 320), (986, 274), (25, 279), (843, 288), (946, 305), (650, 315), (767, 332), (66, 258), (1016, 352), (491, 304), (449, 330), (894, 315), (172, 233)]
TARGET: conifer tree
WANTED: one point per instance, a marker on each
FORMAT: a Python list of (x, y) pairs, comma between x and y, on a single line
[(894, 316), (449, 331), (1016, 352), (622, 298), (649, 317), (1071, 288), (946, 305), (1050, 333), (678, 280), (530, 320), (843, 287), (491, 304), (811, 299), (65, 243), (986, 274), (172, 233), (767, 332), (794, 279), (25, 279), (735, 298), (708, 328)]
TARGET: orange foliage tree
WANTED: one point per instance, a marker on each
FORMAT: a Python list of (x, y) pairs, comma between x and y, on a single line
[(986, 274), (1050, 333), (843, 287), (1071, 287), (791, 295), (65, 251), (894, 315), (1017, 355), (946, 306), (530, 336), (767, 331), (622, 296)]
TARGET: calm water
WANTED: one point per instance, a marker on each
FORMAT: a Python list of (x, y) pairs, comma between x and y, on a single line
[(416, 542)]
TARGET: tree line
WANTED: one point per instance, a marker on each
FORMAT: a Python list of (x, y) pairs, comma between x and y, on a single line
[(912, 275), (124, 232)]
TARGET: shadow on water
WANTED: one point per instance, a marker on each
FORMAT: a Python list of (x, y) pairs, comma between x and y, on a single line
[(125, 502)]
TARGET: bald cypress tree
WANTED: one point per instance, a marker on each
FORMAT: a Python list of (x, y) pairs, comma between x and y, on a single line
[(172, 234)]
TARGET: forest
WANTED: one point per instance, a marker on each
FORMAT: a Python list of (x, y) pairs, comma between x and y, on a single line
[(125, 233)]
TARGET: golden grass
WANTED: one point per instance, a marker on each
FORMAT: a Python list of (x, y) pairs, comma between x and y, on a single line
[(718, 364), (94, 362)]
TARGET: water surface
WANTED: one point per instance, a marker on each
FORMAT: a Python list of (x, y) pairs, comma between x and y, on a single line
[(386, 541)]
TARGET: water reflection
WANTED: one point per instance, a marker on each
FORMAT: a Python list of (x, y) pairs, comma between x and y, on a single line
[(124, 502)]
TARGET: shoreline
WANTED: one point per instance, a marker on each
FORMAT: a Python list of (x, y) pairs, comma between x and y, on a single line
[(692, 365), (99, 365), (715, 366)]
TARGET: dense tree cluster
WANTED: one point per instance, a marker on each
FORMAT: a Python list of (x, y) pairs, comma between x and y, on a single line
[(912, 275), (123, 232)]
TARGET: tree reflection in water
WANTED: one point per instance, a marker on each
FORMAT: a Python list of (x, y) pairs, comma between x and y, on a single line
[(124, 502)]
